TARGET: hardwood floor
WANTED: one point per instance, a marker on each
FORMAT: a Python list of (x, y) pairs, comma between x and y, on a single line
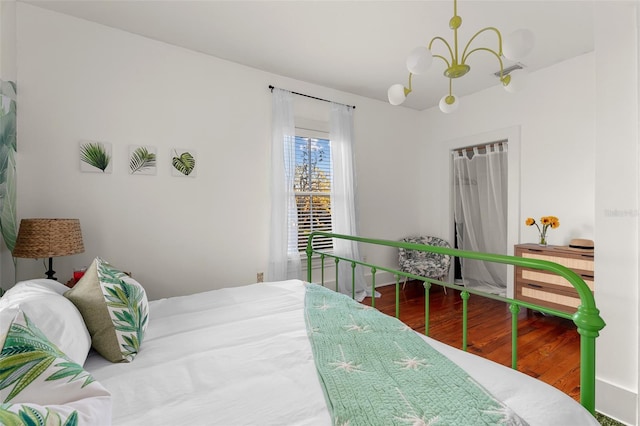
[(548, 347)]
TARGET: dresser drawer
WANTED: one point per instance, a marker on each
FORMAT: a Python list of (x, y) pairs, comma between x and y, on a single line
[(542, 277), (549, 297), (546, 288), (585, 264)]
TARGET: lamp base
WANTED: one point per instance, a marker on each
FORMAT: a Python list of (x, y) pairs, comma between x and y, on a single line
[(50, 273)]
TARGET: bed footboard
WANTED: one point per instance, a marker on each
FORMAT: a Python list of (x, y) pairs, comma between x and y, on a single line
[(587, 317)]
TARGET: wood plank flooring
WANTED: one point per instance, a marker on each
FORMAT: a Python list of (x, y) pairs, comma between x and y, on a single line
[(548, 347)]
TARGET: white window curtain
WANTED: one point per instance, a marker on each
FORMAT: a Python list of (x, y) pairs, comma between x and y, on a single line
[(284, 259), (343, 214), (480, 211)]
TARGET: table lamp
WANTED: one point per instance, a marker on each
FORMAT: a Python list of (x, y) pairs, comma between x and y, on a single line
[(42, 238)]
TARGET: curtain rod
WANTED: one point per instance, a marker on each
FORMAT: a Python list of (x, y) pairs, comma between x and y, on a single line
[(481, 147), (313, 97)]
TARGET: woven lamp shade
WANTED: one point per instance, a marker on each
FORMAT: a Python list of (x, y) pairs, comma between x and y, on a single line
[(41, 238)]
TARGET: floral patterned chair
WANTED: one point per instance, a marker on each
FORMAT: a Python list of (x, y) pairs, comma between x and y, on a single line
[(425, 264)]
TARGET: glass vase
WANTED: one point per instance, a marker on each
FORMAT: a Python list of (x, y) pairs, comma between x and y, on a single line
[(543, 240)]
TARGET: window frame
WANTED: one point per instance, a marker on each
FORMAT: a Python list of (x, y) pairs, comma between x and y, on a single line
[(303, 132)]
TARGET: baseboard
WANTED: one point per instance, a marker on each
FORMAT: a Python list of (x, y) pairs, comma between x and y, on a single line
[(382, 279), (615, 402)]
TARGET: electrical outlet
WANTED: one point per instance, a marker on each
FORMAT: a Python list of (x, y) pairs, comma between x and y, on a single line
[(260, 277)]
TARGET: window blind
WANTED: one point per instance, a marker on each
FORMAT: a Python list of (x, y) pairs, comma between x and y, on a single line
[(312, 189)]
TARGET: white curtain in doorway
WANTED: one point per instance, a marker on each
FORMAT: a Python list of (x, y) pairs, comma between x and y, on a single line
[(284, 259), (480, 210), (343, 214)]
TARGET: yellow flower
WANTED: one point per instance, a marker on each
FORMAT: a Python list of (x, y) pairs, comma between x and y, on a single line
[(546, 222)]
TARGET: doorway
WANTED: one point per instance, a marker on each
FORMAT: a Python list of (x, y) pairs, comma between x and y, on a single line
[(480, 207)]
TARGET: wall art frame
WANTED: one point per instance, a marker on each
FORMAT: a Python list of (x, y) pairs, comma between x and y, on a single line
[(143, 160), (95, 157), (183, 162)]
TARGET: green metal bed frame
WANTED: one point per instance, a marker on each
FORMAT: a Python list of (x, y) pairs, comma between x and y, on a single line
[(587, 317)]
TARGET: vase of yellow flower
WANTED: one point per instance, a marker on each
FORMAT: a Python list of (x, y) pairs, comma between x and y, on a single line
[(546, 222)]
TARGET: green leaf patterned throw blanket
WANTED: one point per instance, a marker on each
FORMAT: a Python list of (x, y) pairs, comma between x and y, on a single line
[(375, 370)]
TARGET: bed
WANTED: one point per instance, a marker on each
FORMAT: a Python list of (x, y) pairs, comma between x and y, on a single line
[(241, 356)]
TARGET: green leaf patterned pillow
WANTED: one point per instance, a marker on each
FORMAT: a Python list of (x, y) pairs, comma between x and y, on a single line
[(34, 414), (115, 309), (40, 385)]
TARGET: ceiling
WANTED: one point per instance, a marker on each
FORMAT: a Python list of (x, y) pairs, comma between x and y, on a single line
[(358, 47)]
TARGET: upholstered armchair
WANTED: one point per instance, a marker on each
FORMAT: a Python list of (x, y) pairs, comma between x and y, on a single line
[(425, 264)]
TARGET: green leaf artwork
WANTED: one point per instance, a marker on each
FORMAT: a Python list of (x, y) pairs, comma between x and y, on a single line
[(142, 160), (95, 154), (8, 225), (184, 163)]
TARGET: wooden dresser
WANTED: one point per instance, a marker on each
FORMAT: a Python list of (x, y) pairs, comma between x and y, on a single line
[(547, 289)]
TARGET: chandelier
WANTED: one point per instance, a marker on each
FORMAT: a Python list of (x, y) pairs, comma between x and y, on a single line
[(517, 45)]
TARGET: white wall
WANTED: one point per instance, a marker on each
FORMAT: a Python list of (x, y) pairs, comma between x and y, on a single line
[(578, 124), (616, 206), (8, 41), (555, 115), (81, 81)]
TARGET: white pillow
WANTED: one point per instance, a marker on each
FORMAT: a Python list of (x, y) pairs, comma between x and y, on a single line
[(51, 312), (41, 385)]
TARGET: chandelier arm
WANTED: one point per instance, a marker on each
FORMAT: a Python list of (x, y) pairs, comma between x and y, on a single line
[(465, 55), (446, 44), (444, 59), (409, 89), (493, 52)]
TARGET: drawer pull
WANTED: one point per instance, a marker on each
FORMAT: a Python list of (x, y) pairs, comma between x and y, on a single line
[(586, 276), (534, 285)]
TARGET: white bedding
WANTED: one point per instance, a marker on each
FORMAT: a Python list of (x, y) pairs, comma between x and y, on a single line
[(240, 356)]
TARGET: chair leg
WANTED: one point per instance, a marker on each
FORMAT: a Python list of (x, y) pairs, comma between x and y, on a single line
[(440, 278)]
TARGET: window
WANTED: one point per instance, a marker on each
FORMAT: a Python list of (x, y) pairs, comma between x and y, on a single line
[(312, 188)]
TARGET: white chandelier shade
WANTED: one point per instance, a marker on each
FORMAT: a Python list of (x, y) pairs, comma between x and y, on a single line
[(419, 60), (517, 82), (514, 47), (396, 94), (518, 44), (449, 103)]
